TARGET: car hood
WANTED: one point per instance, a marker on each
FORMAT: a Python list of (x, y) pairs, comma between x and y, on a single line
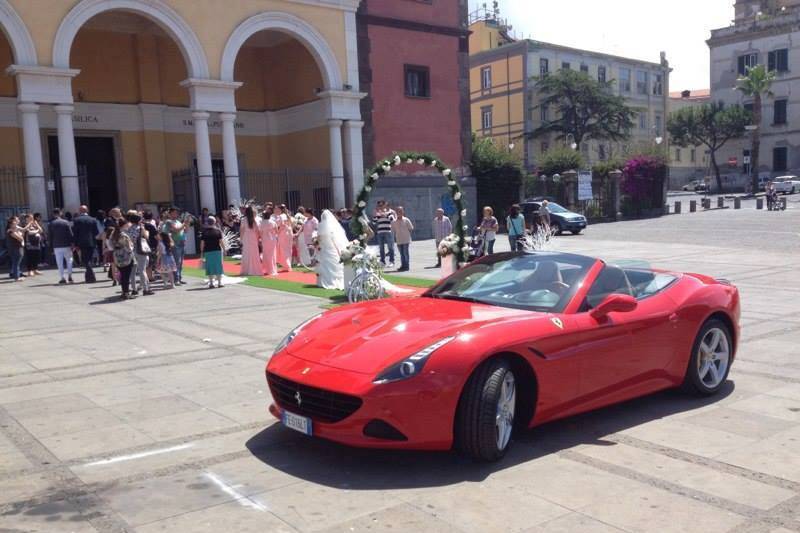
[(368, 337)]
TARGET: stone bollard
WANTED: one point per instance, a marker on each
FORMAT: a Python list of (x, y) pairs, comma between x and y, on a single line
[(783, 203), (737, 203), (693, 206), (759, 203), (677, 208), (720, 202), (666, 209), (706, 203)]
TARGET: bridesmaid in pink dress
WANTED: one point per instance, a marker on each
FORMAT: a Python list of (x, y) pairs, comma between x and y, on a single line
[(285, 237), (249, 234), (269, 243)]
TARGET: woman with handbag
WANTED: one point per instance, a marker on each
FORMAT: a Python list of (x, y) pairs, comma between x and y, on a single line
[(124, 259), (141, 248)]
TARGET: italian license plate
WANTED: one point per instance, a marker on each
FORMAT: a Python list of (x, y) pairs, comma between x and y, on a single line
[(297, 422)]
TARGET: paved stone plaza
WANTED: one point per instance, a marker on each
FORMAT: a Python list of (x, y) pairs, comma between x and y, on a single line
[(150, 415)]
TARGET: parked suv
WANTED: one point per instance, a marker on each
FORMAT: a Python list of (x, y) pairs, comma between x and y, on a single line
[(561, 218), (787, 184)]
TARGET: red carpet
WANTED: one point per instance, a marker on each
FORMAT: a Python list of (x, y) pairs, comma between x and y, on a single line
[(295, 276)]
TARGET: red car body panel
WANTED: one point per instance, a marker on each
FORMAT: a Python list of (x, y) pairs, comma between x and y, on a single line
[(580, 363)]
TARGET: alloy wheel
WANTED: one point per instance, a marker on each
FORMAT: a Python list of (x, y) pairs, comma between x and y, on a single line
[(713, 357), (504, 418)]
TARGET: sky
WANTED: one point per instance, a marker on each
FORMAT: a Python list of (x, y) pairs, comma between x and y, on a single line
[(639, 29)]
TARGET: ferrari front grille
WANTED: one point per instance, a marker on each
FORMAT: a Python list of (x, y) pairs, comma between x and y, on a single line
[(318, 404)]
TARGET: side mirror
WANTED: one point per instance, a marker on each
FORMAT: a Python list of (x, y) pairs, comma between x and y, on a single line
[(614, 303)]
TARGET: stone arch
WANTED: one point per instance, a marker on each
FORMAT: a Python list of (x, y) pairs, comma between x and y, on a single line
[(167, 18), (292, 25), (18, 35)]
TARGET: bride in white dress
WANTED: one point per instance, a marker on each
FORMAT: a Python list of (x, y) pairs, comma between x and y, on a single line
[(332, 241)]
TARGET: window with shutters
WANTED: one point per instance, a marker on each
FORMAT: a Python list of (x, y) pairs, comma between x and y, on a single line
[(746, 62), (778, 60), (417, 81), (779, 114), (601, 74), (658, 84), (779, 158), (585, 69), (565, 65), (641, 82), (486, 78), (486, 118), (544, 67), (625, 80)]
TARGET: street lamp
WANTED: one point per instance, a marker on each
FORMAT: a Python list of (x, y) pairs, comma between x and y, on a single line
[(511, 146)]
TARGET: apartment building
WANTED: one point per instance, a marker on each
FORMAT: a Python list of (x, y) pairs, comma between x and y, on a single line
[(763, 32), (691, 162), (506, 105)]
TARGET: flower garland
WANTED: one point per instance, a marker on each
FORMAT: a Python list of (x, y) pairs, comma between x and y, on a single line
[(382, 168)]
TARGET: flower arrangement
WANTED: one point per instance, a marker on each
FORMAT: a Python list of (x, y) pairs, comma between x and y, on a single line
[(298, 220), (384, 167), (357, 257), (450, 245), (353, 249)]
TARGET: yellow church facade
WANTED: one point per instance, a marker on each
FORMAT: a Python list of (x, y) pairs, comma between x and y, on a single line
[(199, 102)]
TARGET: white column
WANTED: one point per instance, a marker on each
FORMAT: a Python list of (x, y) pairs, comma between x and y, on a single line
[(67, 159), (337, 164), (34, 165), (354, 155), (229, 153), (205, 174)]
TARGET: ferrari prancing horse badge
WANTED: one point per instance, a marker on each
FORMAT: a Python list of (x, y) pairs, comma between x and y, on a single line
[(558, 323)]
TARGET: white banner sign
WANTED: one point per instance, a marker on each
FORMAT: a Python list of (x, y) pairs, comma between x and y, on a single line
[(585, 185)]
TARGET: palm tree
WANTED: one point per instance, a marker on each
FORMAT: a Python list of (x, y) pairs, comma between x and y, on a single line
[(756, 83)]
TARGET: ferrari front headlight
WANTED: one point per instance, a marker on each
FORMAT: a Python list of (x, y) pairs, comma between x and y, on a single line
[(411, 365), (292, 334)]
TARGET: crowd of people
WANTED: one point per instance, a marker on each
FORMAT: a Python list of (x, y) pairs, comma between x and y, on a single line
[(135, 249)]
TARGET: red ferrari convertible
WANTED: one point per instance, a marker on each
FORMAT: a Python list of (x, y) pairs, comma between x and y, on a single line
[(510, 341)]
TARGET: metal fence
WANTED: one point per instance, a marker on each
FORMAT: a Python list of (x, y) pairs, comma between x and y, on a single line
[(14, 197), (601, 207), (293, 187)]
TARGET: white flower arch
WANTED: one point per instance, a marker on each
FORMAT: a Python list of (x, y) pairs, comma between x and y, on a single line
[(159, 12), (292, 25)]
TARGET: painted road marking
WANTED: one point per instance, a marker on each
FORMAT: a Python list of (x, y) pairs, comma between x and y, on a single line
[(141, 455), (235, 494)]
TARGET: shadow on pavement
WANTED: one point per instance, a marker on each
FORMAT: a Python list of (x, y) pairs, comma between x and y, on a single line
[(327, 463)]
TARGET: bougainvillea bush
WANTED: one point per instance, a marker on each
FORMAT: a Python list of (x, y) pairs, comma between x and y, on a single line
[(639, 175)]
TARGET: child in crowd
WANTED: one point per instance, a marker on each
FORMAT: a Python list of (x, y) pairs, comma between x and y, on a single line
[(166, 263)]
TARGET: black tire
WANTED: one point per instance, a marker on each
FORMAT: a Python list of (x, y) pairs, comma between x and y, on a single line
[(475, 433), (577, 231), (692, 383), (557, 229)]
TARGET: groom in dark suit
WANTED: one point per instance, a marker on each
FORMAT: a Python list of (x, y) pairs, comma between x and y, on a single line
[(85, 230)]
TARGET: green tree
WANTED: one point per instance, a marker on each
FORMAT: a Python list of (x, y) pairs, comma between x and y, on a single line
[(498, 172), (559, 160), (582, 107), (756, 84), (710, 125)]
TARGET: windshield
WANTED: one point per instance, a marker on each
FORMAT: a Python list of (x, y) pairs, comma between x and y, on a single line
[(521, 280), (555, 208)]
